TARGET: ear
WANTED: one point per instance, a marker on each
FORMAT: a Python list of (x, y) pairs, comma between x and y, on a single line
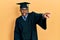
[(20, 9)]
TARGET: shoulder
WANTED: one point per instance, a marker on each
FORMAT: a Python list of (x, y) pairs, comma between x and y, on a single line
[(32, 13), (18, 18), (35, 13)]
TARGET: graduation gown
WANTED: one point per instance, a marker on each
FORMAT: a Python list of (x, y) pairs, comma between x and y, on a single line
[(26, 30)]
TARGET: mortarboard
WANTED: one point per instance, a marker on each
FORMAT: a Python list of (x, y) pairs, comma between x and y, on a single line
[(23, 4)]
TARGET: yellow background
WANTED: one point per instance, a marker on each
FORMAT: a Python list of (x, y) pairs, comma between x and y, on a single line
[(9, 11)]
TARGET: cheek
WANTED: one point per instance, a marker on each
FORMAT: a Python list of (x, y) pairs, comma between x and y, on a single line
[(26, 11), (21, 11)]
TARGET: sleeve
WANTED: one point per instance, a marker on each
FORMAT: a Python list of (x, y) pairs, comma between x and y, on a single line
[(17, 32), (40, 20)]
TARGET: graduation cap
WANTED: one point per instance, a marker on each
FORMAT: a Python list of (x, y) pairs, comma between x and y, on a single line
[(23, 4)]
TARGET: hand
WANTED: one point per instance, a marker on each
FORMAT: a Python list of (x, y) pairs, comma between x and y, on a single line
[(46, 15)]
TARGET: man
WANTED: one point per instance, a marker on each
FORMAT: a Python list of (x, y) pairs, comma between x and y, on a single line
[(25, 26)]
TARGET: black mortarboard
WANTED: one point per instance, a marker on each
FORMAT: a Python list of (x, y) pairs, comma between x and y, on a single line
[(23, 4)]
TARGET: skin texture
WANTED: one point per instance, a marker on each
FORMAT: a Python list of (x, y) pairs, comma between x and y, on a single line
[(24, 11)]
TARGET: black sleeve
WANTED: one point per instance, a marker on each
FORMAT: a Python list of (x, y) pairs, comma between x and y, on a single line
[(17, 32), (40, 20)]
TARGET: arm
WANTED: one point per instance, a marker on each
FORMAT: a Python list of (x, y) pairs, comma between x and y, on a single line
[(40, 20), (17, 32)]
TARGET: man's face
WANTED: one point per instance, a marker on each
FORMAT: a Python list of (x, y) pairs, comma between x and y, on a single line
[(24, 11)]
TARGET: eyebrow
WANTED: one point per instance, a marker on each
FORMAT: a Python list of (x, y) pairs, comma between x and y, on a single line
[(24, 9)]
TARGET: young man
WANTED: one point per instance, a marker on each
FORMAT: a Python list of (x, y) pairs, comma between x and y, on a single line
[(25, 27)]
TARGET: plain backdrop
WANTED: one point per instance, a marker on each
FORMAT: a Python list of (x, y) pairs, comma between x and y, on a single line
[(9, 11)]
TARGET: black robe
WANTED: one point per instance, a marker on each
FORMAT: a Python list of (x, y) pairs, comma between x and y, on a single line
[(26, 30)]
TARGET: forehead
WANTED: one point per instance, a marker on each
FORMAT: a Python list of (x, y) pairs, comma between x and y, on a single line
[(24, 8)]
